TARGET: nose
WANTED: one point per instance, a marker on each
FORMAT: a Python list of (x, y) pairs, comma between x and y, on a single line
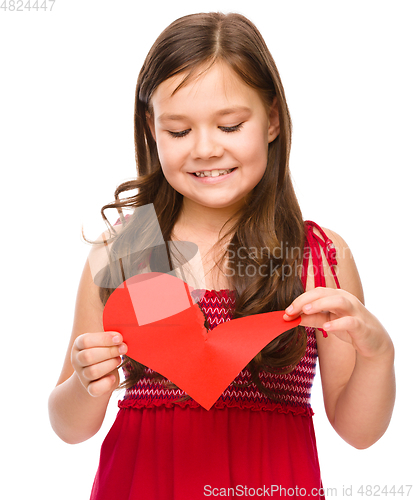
[(206, 145)]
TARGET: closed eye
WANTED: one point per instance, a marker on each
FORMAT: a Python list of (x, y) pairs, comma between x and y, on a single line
[(236, 128), (177, 135), (183, 133)]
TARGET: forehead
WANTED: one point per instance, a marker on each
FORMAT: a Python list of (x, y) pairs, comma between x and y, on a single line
[(215, 88)]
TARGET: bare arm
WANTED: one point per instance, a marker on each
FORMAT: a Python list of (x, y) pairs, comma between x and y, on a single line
[(357, 358), (78, 404)]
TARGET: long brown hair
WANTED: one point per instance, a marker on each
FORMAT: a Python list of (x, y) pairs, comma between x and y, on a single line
[(271, 220)]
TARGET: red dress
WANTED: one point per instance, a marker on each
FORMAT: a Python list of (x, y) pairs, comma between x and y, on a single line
[(246, 445)]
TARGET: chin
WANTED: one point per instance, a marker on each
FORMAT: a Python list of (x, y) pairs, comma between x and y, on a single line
[(220, 204)]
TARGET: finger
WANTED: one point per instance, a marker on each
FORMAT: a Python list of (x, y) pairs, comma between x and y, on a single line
[(99, 339), (338, 304), (102, 386), (99, 370), (298, 305), (350, 324), (315, 320), (88, 357)]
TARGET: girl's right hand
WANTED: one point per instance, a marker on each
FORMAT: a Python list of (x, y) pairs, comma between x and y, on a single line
[(95, 358)]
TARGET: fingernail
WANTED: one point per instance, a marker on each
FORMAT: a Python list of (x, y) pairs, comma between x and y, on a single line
[(289, 309), (116, 339), (308, 307), (326, 326), (123, 349)]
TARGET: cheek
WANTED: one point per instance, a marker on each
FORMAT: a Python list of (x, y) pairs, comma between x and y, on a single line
[(170, 155), (254, 150)]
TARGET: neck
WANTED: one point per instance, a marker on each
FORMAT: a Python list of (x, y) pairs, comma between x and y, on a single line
[(206, 222)]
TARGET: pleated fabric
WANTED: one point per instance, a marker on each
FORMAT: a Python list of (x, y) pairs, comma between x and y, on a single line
[(186, 453)]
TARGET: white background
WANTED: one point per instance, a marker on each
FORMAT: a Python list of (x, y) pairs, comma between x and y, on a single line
[(66, 129)]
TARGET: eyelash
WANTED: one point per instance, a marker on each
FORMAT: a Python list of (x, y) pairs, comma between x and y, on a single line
[(227, 130)]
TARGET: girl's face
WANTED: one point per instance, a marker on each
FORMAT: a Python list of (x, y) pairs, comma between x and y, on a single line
[(212, 136)]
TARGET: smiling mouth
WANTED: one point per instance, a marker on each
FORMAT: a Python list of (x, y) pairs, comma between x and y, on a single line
[(212, 173)]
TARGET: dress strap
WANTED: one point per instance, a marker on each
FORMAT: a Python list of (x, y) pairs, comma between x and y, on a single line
[(313, 245)]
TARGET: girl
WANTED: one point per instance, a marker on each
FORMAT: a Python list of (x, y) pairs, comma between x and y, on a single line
[(212, 137)]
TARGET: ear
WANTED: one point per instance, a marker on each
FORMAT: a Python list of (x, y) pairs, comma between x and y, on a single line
[(150, 122), (274, 125)]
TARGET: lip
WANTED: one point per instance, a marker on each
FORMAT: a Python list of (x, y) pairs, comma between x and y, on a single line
[(212, 180)]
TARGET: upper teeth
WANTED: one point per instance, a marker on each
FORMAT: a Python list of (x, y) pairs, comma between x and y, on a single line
[(212, 173)]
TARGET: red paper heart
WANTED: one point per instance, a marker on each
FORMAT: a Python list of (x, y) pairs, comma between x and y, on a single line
[(200, 362)]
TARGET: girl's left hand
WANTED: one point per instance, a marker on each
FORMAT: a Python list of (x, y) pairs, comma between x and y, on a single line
[(342, 314)]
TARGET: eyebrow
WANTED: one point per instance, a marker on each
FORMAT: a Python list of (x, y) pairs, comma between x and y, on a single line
[(221, 112)]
